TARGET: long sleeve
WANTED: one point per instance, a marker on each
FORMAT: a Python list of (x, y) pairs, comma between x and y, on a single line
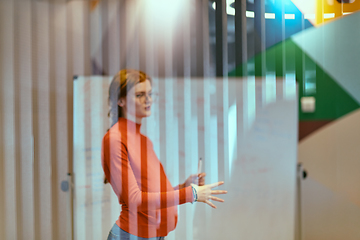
[(119, 172)]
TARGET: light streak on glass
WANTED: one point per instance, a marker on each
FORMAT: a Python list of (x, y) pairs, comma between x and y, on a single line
[(290, 86), (269, 88)]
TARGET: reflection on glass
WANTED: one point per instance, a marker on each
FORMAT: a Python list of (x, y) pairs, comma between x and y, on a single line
[(188, 123)]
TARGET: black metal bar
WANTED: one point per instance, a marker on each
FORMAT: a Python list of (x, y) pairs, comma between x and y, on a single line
[(219, 39), (240, 36)]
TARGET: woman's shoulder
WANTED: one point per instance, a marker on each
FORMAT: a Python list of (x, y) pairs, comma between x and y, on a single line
[(113, 134)]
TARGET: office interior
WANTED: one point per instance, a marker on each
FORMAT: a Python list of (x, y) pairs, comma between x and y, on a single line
[(47, 44)]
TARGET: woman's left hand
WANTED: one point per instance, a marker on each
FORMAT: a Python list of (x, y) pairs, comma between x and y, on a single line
[(198, 179)]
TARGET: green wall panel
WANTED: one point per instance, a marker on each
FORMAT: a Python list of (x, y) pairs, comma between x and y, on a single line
[(332, 101)]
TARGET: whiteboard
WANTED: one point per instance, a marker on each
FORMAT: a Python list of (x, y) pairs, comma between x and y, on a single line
[(244, 129)]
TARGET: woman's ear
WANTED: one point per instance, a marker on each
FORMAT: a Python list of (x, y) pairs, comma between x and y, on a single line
[(121, 102)]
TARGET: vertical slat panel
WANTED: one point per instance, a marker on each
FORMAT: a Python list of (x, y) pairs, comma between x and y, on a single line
[(2, 143), (69, 88), (79, 158), (23, 119), (189, 136), (17, 133), (238, 91), (122, 33), (171, 161), (46, 43), (206, 41), (202, 38), (221, 99), (44, 120), (87, 164), (187, 40), (147, 64), (8, 218), (95, 160), (149, 39), (70, 120), (51, 95), (105, 28), (113, 33), (112, 207), (53, 117), (2, 169), (226, 128), (133, 16), (61, 210), (80, 28), (199, 50), (208, 151), (96, 38), (200, 87), (260, 35), (36, 125), (182, 67), (92, 224), (240, 36), (280, 30), (81, 45), (141, 43), (193, 29), (221, 38), (183, 169)]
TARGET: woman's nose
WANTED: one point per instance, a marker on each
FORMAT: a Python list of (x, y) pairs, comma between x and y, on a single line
[(147, 98)]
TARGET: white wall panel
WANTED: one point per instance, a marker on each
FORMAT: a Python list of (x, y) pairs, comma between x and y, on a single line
[(330, 200), (261, 199)]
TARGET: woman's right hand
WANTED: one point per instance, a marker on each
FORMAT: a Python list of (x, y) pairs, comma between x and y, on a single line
[(205, 193)]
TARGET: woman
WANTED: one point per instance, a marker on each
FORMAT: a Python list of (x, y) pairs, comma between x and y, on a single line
[(148, 201)]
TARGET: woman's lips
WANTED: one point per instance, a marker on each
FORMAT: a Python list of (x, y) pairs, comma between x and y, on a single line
[(147, 108)]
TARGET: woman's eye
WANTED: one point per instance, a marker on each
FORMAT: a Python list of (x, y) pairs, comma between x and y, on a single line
[(139, 95)]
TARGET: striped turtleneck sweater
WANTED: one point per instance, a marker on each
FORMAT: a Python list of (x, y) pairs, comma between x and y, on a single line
[(148, 200)]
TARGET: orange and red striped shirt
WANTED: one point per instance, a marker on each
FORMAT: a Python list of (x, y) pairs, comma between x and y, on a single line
[(148, 200)]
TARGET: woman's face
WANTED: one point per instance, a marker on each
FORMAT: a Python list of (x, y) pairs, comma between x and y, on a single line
[(137, 103)]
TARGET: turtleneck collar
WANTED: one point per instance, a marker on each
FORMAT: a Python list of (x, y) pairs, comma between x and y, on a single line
[(129, 124)]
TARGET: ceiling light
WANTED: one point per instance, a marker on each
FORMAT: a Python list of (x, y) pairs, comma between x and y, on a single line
[(289, 16)]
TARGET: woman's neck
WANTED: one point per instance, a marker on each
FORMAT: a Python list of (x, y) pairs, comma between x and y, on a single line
[(133, 118)]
